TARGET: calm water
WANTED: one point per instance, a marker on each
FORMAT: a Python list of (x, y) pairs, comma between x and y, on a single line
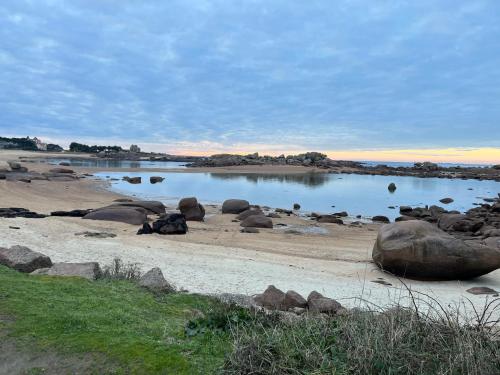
[(357, 194), (100, 163), (396, 164)]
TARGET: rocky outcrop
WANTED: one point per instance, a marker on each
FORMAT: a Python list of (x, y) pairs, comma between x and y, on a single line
[(61, 170), (191, 209), (155, 281), (235, 206), (23, 259), (417, 249), (257, 221), (89, 270), (380, 219), (129, 215)]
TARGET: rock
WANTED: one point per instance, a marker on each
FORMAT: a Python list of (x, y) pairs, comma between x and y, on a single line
[(329, 219), (191, 209), (481, 290), (96, 234), (152, 207), (493, 242), (405, 210), (146, 229), (241, 300), (155, 179), (317, 303), (405, 218), (123, 200), (257, 221), (171, 224), (249, 230), (12, 212), (235, 206), (154, 280), (391, 187), (72, 213), (273, 215), (293, 299), (284, 211), (417, 249), (64, 164), (14, 165), (296, 206), (341, 214), (90, 270), (381, 219), (272, 298), (248, 213), (132, 180), (23, 259), (446, 200), (129, 215), (61, 170)]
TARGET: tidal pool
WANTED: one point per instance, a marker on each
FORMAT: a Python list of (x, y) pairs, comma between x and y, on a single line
[(319, 192)]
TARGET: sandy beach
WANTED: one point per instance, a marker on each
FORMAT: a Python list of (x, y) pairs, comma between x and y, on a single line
[(214, 257)]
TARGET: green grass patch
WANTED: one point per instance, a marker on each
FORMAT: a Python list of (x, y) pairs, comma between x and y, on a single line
[(138, 331)]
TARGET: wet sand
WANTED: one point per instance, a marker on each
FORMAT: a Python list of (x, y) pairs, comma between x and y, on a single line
[(214, 256)]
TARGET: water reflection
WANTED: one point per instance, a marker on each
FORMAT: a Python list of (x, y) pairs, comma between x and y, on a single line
[(308, 179)]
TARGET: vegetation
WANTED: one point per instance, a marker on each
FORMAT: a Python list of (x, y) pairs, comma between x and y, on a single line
[(79, 147), (18, 143), (140, 332)]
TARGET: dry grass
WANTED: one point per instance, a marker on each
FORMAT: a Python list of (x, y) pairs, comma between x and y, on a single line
[(422, 338)]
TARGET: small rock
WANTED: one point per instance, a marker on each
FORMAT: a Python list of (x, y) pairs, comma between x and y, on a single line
[(446, 200), (23, 259), (481, 290), (249, 230), (272, 298), (293, 299), (257, 221), (381, 219), (89, 270), (235, 206), (392, 187), (155, 179), (154, 280), (296, 206)]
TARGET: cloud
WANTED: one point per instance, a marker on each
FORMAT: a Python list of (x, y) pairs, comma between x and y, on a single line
[(346, 75)]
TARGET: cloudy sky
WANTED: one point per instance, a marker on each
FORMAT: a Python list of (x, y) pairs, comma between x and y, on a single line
[(205, 76)]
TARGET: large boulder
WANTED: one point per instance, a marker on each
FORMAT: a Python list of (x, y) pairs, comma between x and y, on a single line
[(129, 215), (191, 209), (235, 206), (156, 179), (89, 270), (318, 303), (23, 259), (154, 280), (272, 298), (257, 221), (417, 249), (152, 207), (170, 224), (293, 299)]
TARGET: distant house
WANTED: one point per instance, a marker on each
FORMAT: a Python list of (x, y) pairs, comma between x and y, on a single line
[(135, 148), (39, 144)]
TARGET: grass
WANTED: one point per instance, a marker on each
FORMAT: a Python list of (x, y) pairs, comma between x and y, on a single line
[(139, 332)]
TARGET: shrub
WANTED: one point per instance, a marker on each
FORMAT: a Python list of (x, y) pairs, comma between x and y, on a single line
[(117, 270)]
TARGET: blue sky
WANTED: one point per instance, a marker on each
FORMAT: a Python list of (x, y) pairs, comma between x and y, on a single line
[(253, 75)]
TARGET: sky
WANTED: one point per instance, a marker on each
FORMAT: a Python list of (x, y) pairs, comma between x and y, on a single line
[(385, 80)]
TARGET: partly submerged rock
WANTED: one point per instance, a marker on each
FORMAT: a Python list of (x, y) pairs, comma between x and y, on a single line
[(156, 179), (417, 249), (23, 259)]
